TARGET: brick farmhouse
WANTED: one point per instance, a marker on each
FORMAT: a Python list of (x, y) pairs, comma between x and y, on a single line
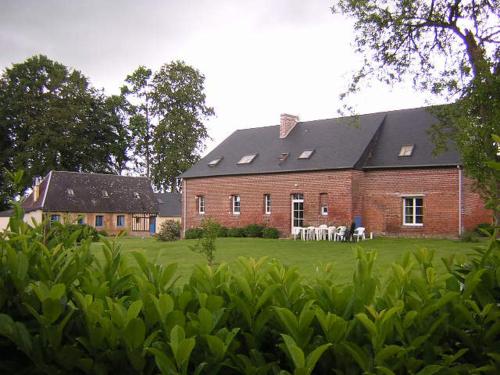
[(377, 170)]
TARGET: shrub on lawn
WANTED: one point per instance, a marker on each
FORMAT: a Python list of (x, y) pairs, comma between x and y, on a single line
[(270, 232), (469, 236), (484, 227), (170, 230), (254, 230), (235, 232), (64, 312), (222, 231), (58, 230), (193, 233)]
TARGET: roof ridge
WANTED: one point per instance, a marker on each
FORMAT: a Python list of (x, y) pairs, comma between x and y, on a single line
[(346, 117), (98, 173)]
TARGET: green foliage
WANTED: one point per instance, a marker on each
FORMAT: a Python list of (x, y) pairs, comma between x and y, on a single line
[(235, 232), (51, 118), (62, 310), (449, 49), (253, 230), (170, 230), (484, 229), (103, 233), (469, 236), (193, 233), (270, 232), (167, 114), (206, 244), (222, 231), (58, 231)]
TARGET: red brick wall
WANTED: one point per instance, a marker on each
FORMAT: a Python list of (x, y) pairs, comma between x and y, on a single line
[(251, 189), (383, 193), (376, 196)]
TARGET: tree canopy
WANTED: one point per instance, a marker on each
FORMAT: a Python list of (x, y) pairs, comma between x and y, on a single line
[(168, 110), (449, 48), (51, 118)]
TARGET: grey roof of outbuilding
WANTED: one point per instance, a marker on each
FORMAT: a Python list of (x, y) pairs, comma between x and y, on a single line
[(88, 194), (169, 204), (365, 141)]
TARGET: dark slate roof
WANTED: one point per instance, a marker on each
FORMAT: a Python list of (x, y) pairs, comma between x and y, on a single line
[(88, 194), (365, 141), (169, 204), (405, 127)]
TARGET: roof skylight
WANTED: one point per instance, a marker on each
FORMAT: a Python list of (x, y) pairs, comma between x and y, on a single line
[(283, 156), (406, 150), (70, 192), (136, 195), (214, 162), (105, 194), (247, 159), (306, 154)]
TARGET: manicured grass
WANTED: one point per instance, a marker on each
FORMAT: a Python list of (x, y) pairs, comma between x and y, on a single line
[(307, 256)]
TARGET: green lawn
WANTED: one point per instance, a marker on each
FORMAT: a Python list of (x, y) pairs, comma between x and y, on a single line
[(307, 256)]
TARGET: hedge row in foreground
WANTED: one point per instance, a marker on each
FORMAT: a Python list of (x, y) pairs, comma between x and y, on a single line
[(64, 311)]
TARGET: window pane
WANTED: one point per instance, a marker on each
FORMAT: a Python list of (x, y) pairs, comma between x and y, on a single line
[(419, 219), (408, 219), (419, 202), (418, 211), (409, 211)]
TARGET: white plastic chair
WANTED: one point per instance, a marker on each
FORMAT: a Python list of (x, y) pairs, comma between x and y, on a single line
[(321, 232), (296, 232), (359, 233), (331, 233), (310, 233), (340, 233)]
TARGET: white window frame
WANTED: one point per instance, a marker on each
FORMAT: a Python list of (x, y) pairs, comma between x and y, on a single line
[(267, 204), (324, 210), (201, 204), (236, 204), (414, 215)]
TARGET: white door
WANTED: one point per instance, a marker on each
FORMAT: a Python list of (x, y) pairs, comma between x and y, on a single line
[(297, 211)]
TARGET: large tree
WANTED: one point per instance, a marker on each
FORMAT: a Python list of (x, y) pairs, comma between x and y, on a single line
[(168, 112), (51, 118), (450, 48)]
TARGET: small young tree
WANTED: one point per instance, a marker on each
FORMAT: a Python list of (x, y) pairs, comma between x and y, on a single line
[(206, 244)]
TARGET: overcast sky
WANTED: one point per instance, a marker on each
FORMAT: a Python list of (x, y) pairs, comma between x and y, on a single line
[(260, 58)]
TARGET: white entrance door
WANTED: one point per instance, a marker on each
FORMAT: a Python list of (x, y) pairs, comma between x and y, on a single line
[(297, 211)]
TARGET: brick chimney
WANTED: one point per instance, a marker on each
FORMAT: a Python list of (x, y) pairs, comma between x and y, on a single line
[(36, 188), (287, 123)]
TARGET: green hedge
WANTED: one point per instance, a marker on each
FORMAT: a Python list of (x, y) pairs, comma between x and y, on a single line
[(62, 311)]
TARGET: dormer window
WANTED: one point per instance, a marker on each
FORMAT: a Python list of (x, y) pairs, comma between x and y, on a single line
[(70, 192), (214, 162), (247, 159), (406, 150), (136, 195), (306, 154), (105, 194)]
